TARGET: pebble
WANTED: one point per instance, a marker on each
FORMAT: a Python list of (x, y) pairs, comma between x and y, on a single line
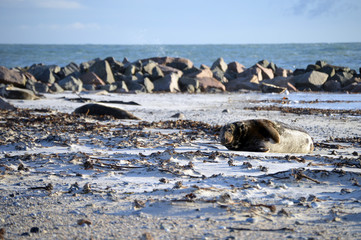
[(251, 220), (34, 230)]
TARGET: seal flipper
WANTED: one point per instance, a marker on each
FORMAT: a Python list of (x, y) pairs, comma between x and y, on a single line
[(268, 130)]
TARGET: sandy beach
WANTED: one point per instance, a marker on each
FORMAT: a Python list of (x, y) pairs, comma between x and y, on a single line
[(166, 176)]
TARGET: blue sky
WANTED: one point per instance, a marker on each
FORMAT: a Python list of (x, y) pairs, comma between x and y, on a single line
[(179, 21)]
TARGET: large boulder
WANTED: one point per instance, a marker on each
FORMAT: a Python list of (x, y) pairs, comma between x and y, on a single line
[(249, 82), (188, 84), (310, 80), (70, 69), (148, 84), (200, 73), (152, 70), (207, 83), (91, 78), (103, 70), (182, 64), (45, 73), (235, 67), (8, 76), (4, 105), (270, 88), (220, 64), (345, 78), (168, 83), (332, 86), (266, 72), (71, 83)]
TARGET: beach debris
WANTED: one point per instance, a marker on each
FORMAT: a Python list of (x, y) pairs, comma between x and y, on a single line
[(2, 233), (178, 115), (138, 204), (146, 236), (83, 222), (34, 230), (87, 188)]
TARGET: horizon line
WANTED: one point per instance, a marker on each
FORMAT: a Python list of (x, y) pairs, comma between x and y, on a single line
[(178, 44)]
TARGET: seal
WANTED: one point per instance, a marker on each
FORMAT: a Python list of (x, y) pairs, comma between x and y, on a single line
[(11, 92), (262, 135), (100, 110)]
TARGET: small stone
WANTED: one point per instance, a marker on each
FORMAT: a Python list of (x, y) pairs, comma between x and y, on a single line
[(164, 180), (34, 230), (355, 153), (139, 204), (83, 222), (226, 111), (146, 236)]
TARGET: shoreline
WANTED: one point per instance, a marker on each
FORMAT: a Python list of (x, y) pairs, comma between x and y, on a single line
[(68, 176)]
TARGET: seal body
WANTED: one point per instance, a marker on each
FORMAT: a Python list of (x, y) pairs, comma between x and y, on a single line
[(262, 135), (100, 109)]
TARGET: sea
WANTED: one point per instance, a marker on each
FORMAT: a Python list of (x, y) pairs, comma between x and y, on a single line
[(288, 56)]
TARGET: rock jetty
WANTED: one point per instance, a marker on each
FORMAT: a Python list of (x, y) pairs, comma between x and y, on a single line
[(172, 74)]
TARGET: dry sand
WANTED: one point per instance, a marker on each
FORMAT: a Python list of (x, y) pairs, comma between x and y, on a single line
[(66, 176)]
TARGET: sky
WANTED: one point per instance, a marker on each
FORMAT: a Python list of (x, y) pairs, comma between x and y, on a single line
[(179, 21)]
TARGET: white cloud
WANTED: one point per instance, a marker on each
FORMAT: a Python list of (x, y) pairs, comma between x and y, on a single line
[(57, 4), (62, 27), (50, 4)]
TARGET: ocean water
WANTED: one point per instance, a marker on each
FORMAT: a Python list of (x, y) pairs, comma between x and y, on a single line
[(289, 56)]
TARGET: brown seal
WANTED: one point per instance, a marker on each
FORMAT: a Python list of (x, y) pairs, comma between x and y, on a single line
[(262, 135), (100, 110)]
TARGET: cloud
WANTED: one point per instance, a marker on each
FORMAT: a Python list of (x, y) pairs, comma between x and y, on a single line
[(48, 4), (316, 8), (62, 27)]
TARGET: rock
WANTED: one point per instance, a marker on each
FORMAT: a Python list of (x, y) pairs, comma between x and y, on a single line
[(103, 70), (281, 72), (220, 64), (153, 70), (70, 69), (264, 63), (4, 105), (200, 73), (266, 72), (219, 75), (283, 82), (207, 83), (312, 67), (169, 83), (11, 92), (345, 78), (332, 86), (313, 80), (167, 70), (249, 82), (121, 87), (8, 76), (56, 88), (108, 87), (134, 86), (116, 66), (299, 71), (131, 70), (148, 84), (270, 88), (236, 67), (41, 87), (91, 78), (178, 63), (328, 69), (101, 110), (45, 73), (356, 88), (188, 84), (321, 63), (71, 83)]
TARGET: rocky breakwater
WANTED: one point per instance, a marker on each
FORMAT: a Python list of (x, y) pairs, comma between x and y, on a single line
[(169, 74)]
